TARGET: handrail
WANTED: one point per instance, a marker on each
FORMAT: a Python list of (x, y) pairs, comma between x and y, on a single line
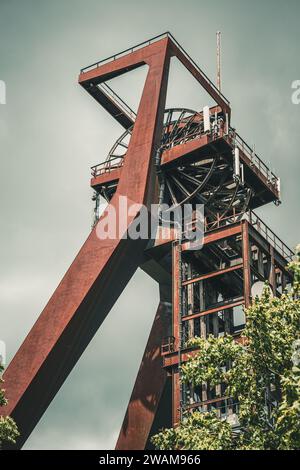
[(255, 159), (106, 167), (270, 236), (108, 91), (125, 51), (225, 406), (151, 41), (257, 223), (168, 345)]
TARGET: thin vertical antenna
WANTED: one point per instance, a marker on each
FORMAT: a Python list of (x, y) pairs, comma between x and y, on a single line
[(219, 60)]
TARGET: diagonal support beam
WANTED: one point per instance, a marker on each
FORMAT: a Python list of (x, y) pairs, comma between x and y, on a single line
[(149, 386), (99, 272), (124, 63)]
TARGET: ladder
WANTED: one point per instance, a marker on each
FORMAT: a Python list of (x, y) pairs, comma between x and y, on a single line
[(177, 245)]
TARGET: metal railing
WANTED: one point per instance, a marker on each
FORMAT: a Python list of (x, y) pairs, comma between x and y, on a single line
[(106, 167), (225, 408), (168, 345), (235, 139), (147, 43), (185, 138), (113, 96), (257, 223), (255, 160), (269, 235), (124, 52), (221, 221)]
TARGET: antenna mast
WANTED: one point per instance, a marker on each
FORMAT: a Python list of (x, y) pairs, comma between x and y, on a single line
[(219, 60)]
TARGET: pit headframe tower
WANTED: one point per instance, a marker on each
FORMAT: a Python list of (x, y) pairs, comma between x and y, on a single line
[(168, 157)]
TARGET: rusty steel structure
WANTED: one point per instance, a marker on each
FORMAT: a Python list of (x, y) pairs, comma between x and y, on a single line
[(171, 156)]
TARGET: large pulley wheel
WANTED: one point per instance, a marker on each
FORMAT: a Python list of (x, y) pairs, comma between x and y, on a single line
[(209, 181)]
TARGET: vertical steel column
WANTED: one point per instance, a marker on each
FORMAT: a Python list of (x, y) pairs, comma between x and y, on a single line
[(177, 329), (246, 262), (272, 277), (149, 385)]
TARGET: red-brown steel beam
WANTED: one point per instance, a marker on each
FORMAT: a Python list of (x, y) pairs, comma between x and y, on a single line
[(175, 396), (176, 253), (176, 316), (199, 76), (175, 154), (210, 237), (122, 64), (105, 178), (185, 150), (148, 388), (171, 360), (246, 262), (99, 272), (240, 301), (212, 274)]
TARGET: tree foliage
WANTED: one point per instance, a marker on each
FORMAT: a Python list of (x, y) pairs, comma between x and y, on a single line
[(8, 428), (262, 374)]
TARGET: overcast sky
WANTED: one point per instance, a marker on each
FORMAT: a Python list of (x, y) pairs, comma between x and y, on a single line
[(52, 131)]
